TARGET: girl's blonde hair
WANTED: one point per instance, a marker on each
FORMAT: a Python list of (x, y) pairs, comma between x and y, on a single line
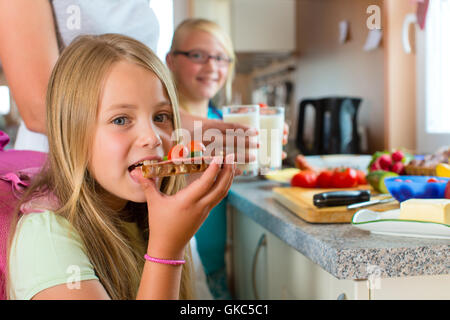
[(72, 101), (218, 33)]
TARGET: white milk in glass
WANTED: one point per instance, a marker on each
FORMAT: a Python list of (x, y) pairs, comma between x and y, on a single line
[(271, 121), (247, 115)]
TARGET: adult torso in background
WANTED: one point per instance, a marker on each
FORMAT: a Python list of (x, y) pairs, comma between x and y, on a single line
[(133, 18)]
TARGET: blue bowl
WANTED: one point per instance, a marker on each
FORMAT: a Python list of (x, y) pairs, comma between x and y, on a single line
[(406, 187)]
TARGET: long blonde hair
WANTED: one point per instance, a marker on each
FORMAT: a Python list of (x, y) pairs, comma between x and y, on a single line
[(72, 102), (219, 34)]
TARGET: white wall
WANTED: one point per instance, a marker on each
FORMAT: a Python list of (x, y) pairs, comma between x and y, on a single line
[(181, 11), (328, 68)]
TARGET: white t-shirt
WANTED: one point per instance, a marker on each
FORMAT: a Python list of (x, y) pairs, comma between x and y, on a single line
[(133, 18)]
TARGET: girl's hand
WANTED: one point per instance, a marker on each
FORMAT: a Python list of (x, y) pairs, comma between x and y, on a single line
[(285, 133), (173, 220), (221, 128)]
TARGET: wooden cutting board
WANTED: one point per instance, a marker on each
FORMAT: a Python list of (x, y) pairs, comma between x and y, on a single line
[(300, 202)]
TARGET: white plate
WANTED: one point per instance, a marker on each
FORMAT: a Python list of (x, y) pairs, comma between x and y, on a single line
[(388, 223), (359, 162)]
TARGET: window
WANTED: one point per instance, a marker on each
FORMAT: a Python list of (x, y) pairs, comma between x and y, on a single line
[(437, 61), (164, 12), (433, 79)]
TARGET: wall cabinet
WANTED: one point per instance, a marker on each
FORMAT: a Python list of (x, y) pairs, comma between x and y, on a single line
[(254, 25)]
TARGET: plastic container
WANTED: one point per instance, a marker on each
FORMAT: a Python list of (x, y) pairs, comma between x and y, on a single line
[(406, 187)]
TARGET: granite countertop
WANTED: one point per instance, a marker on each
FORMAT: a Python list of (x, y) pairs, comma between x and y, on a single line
[(343, 250)]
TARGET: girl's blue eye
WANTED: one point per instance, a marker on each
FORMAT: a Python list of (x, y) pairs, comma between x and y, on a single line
[(120, 121)]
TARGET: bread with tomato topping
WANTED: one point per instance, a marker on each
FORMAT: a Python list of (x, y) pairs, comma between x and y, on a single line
[(175, 167)]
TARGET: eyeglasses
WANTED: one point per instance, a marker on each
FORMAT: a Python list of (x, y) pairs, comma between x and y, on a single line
[(201, 57)]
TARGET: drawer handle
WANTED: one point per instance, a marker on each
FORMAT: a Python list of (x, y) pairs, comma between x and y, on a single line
[(262, 242), (342, 296)]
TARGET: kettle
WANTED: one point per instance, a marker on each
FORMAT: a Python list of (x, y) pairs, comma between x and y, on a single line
[(335, 126)]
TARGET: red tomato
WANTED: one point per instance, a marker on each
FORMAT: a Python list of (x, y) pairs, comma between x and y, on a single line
[(262, 105), (432, 180), (325, 179), (346, 178), (304, 179), (178, 151), (196, 146), (361, 177)]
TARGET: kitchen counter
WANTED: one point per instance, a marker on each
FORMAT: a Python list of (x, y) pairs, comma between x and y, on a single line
[(341, 249)]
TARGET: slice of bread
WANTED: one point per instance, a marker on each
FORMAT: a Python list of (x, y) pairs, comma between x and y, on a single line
[(175, 167)]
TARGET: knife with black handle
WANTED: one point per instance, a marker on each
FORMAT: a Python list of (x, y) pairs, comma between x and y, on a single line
[(340, 198)]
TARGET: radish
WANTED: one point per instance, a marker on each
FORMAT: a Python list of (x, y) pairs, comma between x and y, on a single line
[(385, 161), (398, 168), (397, 156)]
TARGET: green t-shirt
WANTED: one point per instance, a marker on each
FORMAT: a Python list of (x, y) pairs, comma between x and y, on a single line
[(46, 252)]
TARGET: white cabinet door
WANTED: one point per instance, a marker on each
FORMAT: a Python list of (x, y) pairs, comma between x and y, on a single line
[(435, 287), (294, 276), (263, 25), (273, 270), (249, 257), (214, 10), (254, 25)]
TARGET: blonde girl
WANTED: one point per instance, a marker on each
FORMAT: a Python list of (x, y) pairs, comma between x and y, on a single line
[(110, 104), (202, 61)]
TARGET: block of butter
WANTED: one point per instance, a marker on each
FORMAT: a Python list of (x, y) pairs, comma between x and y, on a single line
[(430, 210)]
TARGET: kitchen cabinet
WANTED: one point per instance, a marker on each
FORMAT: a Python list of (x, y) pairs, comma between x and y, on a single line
[(249, 256), (280, 271), (293, 276), (275, 270), (254, 25)]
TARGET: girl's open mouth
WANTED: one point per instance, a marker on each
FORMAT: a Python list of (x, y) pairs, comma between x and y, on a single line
[(140, 164)]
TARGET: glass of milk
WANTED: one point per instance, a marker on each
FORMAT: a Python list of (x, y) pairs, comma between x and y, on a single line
[(271, 126), (247, 115)]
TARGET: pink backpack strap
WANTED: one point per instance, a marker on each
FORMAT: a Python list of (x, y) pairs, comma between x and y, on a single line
[(17, 169), (4, 140)]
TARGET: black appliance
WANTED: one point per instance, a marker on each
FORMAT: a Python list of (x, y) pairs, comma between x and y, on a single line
[(335, 126)]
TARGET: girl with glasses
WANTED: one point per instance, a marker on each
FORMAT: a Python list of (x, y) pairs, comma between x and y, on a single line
[(202, 62)]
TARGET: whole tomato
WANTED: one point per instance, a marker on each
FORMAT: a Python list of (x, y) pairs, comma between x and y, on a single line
[(304, 179), (325, 179), (361, 177), (345, 178)]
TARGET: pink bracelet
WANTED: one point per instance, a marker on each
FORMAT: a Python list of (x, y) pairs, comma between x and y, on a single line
[(164, 261)]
